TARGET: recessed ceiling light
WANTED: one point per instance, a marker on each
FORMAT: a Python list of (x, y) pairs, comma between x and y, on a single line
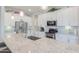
[(44, 7), (21, 13), (29, 10)]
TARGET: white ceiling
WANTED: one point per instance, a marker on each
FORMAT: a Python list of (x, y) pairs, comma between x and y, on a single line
[(35, 10)]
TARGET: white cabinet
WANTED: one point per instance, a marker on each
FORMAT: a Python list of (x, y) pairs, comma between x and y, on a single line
[(42, 19), (70, 39), (64, 17), (68, 16)]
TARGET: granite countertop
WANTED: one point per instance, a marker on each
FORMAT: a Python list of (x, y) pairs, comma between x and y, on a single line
[(18, 44)]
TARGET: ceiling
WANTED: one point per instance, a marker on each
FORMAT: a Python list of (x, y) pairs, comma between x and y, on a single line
[(35, 10)]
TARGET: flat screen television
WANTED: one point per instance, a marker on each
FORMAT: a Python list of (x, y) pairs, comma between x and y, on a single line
[(51, 23)]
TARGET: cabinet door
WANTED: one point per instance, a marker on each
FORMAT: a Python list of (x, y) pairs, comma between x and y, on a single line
[(70, 39), (41, 20), (73, 16), (63, 18), (60, 21)]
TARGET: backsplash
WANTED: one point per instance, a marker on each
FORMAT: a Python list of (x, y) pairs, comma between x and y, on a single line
[(72, 31)]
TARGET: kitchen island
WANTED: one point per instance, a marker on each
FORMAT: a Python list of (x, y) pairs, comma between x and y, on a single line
[(18, 44)]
